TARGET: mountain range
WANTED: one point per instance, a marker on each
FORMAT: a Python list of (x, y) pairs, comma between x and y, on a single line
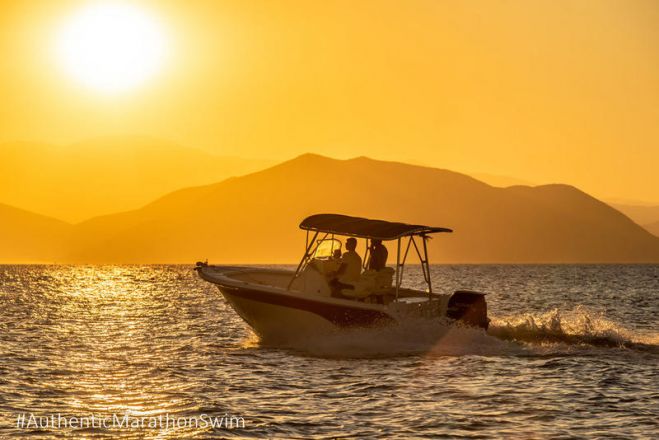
[(253, 219)]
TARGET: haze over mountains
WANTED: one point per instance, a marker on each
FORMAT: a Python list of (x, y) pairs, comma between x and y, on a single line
[(254, 219), (653, 228), (502, 181), (26, 237), (105, 175), (644, 215)]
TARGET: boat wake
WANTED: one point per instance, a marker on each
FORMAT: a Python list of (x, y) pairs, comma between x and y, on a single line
[(551, 333), (411, 338), (574, 327)]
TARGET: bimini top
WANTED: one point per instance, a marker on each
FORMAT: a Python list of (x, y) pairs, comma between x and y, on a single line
[(364, 228)]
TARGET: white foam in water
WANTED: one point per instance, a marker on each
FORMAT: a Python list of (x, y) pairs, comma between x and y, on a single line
[(577, 326), (413, 337), (515, 335)]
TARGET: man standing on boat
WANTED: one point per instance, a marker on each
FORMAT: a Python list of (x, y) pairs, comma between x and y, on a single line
[(379, 254), (350, 269)]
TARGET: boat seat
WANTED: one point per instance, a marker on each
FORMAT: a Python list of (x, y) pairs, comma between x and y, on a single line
[(371, 283)]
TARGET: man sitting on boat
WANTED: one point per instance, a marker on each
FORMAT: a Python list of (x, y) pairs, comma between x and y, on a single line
[(349, 271)]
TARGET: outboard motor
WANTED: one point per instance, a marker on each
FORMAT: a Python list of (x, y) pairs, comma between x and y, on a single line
[(469, 308)]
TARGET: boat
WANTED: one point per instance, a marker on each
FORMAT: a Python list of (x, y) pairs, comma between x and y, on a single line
[(280, 304)]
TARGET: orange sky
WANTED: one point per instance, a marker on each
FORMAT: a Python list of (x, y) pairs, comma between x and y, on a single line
[(542, 91)]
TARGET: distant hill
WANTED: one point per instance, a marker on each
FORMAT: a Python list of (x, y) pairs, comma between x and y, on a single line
[(105, 175), (644, 215), (254, 218), (30, 238)]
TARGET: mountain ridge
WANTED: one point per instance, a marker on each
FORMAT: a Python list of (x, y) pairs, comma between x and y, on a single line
[(312, 177), (253, 218)]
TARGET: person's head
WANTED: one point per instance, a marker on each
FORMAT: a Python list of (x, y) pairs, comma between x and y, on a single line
[(351, 244), (376, 242), (337, 253)]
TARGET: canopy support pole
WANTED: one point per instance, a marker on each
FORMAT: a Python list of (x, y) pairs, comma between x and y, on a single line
[(398, 271), (366, 256), (425, 266), (402, 264), (305, 257), (425, 253)]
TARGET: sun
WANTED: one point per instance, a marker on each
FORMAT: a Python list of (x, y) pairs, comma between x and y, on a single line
[(111, 47)]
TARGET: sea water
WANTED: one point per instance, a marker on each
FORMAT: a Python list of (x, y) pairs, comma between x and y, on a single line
[(572, 351)]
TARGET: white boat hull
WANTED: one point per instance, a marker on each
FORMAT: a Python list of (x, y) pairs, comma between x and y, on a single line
[(261, 298)]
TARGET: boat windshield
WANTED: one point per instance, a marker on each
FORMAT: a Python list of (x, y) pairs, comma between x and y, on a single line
[(326, 248)]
